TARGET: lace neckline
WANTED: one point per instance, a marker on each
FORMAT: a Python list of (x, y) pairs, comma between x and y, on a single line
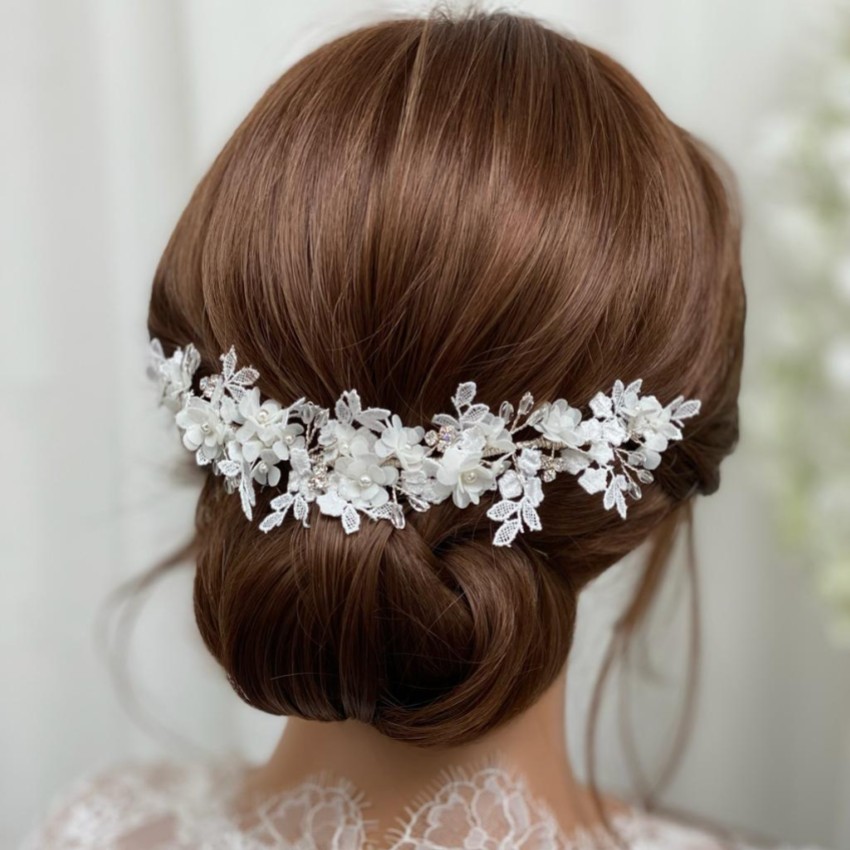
[(196, 806), (486, 807)]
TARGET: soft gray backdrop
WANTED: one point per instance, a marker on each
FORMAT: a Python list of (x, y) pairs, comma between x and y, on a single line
[(111, 112)]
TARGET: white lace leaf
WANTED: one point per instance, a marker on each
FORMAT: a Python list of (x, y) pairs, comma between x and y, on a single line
[(391, 511), (503, 510), (682, 409), (507, 532), (464, 395), (530, 516)]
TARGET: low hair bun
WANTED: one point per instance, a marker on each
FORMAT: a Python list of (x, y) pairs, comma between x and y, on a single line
[(421, 634)]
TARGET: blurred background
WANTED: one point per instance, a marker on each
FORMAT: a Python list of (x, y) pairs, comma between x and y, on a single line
[(112, 112)]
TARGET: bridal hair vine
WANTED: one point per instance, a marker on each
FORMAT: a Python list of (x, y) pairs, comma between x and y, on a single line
[(365, 461)]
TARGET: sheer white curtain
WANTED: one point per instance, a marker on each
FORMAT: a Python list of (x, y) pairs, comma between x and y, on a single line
[(111, 112)]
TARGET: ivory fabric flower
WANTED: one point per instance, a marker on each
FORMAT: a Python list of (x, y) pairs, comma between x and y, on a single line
[(265, 471), (288, 437), (401, 442), (493, 429), (336, 437), (259, 419), (462, 474), (648, 419), (203, 430), (560, 423), (363, 481)]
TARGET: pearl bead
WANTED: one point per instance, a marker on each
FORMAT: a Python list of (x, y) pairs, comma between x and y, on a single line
[(263, 467), (365, 480), (205, 427), (289, 439), (262, 416), (469, 476)]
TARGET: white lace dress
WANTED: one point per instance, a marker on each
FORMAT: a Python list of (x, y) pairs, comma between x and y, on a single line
[(154, 806)]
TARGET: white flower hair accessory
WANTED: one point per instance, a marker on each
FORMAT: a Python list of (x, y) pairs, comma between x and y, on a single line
[(366, 461)]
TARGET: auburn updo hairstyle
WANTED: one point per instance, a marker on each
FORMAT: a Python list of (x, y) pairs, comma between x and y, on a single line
[(417, 203)]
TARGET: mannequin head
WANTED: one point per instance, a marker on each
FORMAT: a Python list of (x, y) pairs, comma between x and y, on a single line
[(415, 204)]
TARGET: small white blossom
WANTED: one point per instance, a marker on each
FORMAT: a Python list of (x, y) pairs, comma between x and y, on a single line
[(560, 423), (265, 471), (403, 443), (462, 473), (288, 438), (336, 437), (647, 418), (203, 430), (259, 419), (363, 481), (493, 429)]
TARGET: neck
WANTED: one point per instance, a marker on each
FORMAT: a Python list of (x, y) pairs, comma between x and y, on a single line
[(391, 773)]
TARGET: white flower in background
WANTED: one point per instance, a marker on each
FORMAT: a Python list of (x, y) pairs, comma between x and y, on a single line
[(301, 472), (652, 424), (265, 425), (594, 480), (363, 481), (600, 437), (608, 425), (648, 417), (837, 363), (362, 443), (802, 360)]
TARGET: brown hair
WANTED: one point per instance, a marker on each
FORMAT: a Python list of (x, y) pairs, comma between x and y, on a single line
[(417, 203)]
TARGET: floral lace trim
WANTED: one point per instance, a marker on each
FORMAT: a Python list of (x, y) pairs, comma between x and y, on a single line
[(190, 807)]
